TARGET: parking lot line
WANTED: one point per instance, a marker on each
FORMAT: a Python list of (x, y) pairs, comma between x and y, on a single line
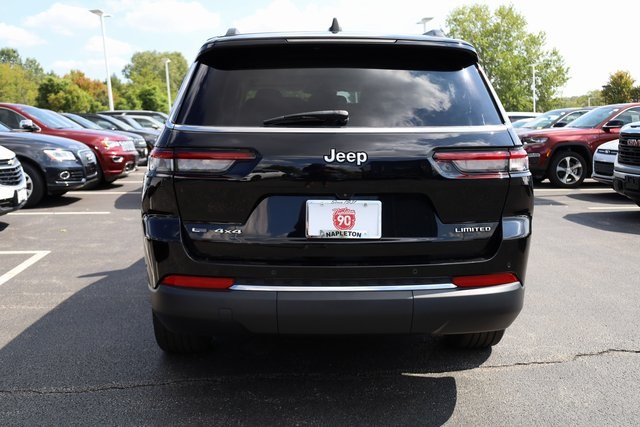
[(579, 190), (57, 213), (612, 208), (87, 193), (37, 256)]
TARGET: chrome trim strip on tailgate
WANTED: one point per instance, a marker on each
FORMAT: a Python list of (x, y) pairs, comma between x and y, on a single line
[(431, 287)]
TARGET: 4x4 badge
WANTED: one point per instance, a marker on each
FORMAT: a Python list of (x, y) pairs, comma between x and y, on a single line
[(357, 157)]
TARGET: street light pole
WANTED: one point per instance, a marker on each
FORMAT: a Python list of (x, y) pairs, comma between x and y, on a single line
[(166, 72), (103, 15), (424, 21), (533, 87)]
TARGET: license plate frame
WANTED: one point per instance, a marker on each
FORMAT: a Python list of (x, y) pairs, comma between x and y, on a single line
[(343, 219)]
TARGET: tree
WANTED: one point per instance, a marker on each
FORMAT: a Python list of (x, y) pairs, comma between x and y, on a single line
[(508, 54), (18, 81), (96, 89), (619, 88), (15, 85), (124, 96), (34, 70), (10, 56), (151, 98), (591, 99), (148, 69), (60, 94)]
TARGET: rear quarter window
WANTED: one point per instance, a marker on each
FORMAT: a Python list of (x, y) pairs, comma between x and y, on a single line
[(414, 92)]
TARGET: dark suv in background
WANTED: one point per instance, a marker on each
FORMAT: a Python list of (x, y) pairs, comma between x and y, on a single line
[(332, 183), (565, 155)]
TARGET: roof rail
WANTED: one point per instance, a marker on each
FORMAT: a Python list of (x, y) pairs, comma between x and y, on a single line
[(335, 27)]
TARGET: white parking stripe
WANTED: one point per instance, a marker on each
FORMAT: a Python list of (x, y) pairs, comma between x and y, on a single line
[(612, 208), (90, 193), (58, 213), (572, 190), (37, 256)]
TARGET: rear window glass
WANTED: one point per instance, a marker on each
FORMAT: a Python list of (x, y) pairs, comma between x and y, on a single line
[(413, 96)]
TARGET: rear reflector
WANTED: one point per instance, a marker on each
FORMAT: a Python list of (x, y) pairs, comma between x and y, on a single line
[(198, 282), (485, 280)]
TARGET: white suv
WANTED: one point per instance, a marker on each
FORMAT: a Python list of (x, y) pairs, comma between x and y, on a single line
[(13, 186)]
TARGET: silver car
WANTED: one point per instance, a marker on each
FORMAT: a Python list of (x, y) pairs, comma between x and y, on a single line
[(603, 160)]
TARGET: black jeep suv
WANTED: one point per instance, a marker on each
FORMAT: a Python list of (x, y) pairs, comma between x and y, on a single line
[(333, 183)]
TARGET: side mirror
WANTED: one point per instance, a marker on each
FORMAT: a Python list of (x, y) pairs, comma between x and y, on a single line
[(559, 124), (612, 124), (29, 125)]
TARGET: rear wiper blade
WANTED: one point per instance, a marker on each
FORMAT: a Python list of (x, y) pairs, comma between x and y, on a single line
[(311, 118)]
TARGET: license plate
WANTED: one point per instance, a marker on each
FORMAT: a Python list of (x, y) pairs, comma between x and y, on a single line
[(631, 183), (344, 219), (21, 195)]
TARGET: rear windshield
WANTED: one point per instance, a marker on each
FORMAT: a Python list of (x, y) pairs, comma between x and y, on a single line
[(414, 95)]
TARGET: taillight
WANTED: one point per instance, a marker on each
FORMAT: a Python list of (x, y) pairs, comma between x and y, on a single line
[(485, 280), (481, 164), (198, 282), (167, 160)]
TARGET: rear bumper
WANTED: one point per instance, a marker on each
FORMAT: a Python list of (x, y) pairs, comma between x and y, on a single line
[(445, 311)]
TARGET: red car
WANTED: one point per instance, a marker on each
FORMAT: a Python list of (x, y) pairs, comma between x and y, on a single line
[(116, 154), (564, 155)]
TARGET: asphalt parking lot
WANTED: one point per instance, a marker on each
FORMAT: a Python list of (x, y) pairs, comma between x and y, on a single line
[(77, 346)]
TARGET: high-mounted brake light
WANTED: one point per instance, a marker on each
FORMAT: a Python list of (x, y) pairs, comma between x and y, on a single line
[(485, 280), (198, 282), (481, 164), (166, 160)]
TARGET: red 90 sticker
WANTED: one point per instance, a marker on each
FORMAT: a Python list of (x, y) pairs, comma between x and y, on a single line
[(344, 218)]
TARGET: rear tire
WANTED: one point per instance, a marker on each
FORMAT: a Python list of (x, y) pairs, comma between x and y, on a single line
[(35, 185), (567, 169), (174, 342), (476, 340)]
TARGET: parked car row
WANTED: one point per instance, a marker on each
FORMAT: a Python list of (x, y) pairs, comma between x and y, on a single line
[(138, 141), (565, 154), (63, 152), (52, 165)]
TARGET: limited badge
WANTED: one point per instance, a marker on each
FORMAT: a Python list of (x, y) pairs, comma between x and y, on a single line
[(344, 218)]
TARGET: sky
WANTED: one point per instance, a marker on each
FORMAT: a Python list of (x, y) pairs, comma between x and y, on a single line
[(594, 37)]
